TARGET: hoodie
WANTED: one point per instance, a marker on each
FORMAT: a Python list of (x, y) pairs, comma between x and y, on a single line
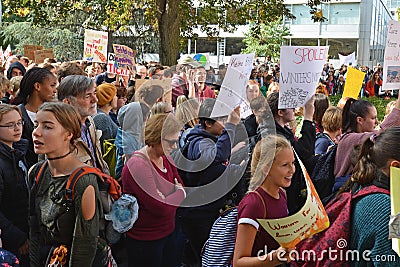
[(14, 199), (15, 65)]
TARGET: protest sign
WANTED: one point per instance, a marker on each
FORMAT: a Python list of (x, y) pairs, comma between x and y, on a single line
[(204, 59), (123, 56), (346, 60), (95, 46), (41, 55), (353, 83), (233, 88), (309, 220), (112, 66), (394, 223), (300, 71), (29, 50), (391, 66)]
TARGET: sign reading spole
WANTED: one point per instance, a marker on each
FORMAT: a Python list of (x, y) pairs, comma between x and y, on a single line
[(301, 69)]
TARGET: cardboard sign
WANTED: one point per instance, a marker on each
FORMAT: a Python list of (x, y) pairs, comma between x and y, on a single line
[(29, 50), (95, 46), (394, 223), (346, 60), (391, 66), (353, 83), (41, 55), (233, 88), (112, 66), (123, 56), (309, 220), (301, 68)]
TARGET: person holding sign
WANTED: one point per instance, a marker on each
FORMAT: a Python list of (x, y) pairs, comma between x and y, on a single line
[(370, 214), (266, 199)]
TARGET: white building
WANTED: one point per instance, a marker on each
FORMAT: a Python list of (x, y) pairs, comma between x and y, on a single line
[(352, 25)]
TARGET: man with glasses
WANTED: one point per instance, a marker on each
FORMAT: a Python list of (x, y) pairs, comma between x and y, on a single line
[(209, 151)]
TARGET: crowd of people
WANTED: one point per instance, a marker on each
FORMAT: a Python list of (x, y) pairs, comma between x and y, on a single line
[(183, 163)]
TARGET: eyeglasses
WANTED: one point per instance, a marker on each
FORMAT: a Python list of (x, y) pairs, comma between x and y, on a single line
[(13, 125), (171, 143)]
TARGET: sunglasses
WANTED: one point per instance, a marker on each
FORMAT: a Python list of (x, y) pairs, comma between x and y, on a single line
[(171, 143)]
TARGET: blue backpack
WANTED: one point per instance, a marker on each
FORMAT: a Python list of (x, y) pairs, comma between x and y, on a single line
[(219, 247)]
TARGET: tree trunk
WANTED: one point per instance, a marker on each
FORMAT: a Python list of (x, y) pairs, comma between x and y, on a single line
[(168, 26)]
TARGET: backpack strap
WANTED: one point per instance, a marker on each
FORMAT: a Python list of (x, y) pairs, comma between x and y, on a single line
[(262, 200), (74, 178), (40, 173)]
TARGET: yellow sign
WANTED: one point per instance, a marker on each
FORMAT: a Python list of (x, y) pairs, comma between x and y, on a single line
[(311, 219), (394, 224), (353, 83)]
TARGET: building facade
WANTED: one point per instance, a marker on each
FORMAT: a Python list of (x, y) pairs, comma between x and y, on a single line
[(352, 26)]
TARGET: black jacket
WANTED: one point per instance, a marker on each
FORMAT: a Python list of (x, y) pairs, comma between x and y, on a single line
[(304, 148), (14, 199), (31, 157)]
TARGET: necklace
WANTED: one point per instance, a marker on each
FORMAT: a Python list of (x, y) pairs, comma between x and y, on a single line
[(60, 157)]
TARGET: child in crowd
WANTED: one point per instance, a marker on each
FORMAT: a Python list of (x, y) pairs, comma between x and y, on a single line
[(266, 199), (14, 188)]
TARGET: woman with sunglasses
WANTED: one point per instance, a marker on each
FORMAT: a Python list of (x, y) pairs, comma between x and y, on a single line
[(151, 176)]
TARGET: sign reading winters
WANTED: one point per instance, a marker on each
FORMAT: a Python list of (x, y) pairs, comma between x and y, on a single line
[(301, 68)]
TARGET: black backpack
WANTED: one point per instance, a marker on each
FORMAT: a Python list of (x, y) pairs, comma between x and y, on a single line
[(323, 174)]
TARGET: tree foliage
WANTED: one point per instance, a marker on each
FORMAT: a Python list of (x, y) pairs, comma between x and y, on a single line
[(166, 21), (66, 45), (265, 39)]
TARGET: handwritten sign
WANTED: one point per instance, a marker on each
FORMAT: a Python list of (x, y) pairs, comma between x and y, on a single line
[(346, 60), (112, 66), (95, 46), (29, 50), (353, 83), (309, 220), (394, 225), (301, 68), (391, 66), (41, 55), (123, 56), (233, 88)]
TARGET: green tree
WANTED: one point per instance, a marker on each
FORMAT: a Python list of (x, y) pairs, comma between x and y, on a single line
[(169, 20), (66, 45), (265, 39)]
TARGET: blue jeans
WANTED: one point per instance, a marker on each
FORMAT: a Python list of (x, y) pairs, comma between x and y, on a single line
[(156, 253)]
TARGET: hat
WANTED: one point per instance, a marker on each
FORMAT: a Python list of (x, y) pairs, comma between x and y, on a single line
[(188, 60), (105, 92)]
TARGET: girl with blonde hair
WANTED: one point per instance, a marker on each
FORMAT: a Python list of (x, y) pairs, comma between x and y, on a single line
[(265, 200)]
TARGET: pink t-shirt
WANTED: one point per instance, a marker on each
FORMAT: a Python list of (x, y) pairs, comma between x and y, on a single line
[(251, 208)]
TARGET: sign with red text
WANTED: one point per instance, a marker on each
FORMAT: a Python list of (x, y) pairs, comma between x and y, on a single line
[(123, 56), (300, 71), (391, 67), (233, 88), (95, 46), (113, 67), (309, 220)]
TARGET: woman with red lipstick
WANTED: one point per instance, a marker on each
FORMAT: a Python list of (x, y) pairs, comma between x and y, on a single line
[(266, 200), (53, 220), (37, 86), (13, 184)]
